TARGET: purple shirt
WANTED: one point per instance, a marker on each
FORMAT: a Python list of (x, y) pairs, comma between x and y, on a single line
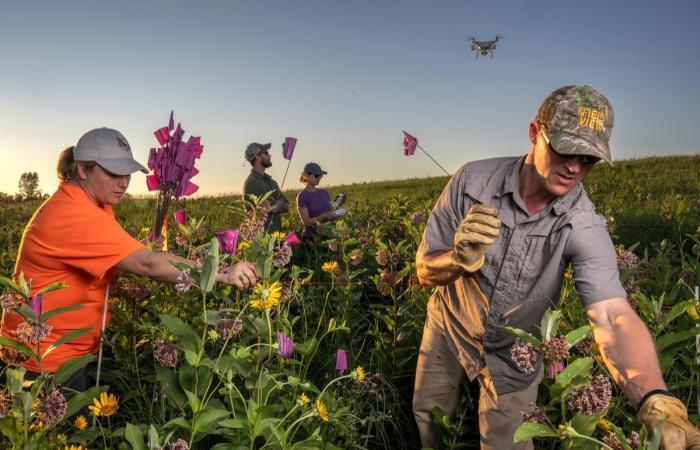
[(316, 202)]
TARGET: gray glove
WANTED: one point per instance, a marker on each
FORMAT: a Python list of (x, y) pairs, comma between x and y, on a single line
[(474, 234)]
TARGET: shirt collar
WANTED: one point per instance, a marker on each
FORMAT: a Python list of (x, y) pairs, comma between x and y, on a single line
[(511, 184), (262, 176)]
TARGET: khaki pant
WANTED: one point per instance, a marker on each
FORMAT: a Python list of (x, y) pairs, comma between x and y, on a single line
[(439, 378)]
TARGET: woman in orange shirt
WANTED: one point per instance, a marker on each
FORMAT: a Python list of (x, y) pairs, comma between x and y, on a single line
[(74, 237)]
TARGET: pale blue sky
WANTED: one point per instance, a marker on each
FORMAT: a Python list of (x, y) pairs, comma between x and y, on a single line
[(344, 77)]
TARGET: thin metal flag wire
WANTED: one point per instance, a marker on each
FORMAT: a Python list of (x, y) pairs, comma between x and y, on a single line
[(410, 143)]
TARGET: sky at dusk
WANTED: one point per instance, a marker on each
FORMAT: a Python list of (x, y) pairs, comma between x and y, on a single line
[(343, 77)]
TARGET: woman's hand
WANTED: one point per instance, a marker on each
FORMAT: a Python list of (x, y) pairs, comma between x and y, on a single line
[(241, 275)]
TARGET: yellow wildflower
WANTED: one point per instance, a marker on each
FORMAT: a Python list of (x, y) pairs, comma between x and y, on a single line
[(604, 424), (80, 422), (568, 275), (322, 410), (330, 266), (563, 325), (304, 399), (361, 374), (266, 295), (75, 447), (107, 405), (693, 313), (279, 235)]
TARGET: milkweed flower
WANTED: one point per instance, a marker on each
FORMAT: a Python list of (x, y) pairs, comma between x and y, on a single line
[(322, 410), (228, 239), (341, 361), (330, 266), (625, 258), (282, 256), (166, 353), (228, 328), (286, 345), (382, 257), (32, 333), (524, 355), (356, 257), (266, 295), (105, 406), (534, 414), (12, 357), (180, 444), (417, 217), (10, 300), (52, 408), (181, 216), (80, 422), (592, 399), (554, 352)]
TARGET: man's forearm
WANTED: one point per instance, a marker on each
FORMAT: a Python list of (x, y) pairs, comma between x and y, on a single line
[(627, 349), (437, 269), (160, 267)]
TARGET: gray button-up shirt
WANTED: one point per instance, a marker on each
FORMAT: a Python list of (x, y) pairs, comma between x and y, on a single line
[(523, 269)]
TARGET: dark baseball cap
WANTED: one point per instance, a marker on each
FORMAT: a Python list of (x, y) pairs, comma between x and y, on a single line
[(314, 169), (579, 121), (108, 148), (254, 148)]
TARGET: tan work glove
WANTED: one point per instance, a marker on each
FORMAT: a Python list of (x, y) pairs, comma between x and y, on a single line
[(678, 433), (474, 234)]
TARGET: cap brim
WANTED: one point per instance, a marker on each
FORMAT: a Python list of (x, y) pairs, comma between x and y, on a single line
[(122, 166), (574, 144)]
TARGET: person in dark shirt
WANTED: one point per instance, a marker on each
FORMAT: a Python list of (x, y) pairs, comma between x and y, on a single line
[(259, 183)]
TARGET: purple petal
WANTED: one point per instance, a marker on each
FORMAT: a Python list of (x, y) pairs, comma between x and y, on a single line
[(35, 303), (181, 216)]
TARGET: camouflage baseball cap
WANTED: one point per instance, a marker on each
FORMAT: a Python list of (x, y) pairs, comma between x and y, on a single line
[(579, 121)]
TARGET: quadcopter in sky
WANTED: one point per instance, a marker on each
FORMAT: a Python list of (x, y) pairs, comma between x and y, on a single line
[(483, 47)]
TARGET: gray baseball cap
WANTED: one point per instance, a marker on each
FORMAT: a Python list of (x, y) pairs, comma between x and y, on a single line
[(254, 148), (108, 148), (579, 120)]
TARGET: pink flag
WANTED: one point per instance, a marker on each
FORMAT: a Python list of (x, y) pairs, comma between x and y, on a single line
[(288, 147), (409, 144)]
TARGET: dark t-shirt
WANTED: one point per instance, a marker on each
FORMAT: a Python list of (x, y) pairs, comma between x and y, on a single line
[(317, 203)]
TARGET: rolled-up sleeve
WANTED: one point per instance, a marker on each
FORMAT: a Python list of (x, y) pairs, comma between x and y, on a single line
[(445, 217), (594, 261)]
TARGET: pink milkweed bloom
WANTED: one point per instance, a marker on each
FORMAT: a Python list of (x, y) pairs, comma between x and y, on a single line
[(35, 303), (228, 240), (286, 343), (292, 239), (341, 361), (181, 216)]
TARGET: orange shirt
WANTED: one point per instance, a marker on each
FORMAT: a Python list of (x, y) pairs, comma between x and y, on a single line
[(70, 239)]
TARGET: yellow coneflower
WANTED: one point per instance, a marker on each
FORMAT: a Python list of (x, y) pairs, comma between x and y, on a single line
[(80, 422), (568, 275), (604, 424), (322, 410), (105, 406), (693, 313), (242, 245), (75, 447), (330, 266), (279, 235), (304, 399), (266, 295), (361, 374)]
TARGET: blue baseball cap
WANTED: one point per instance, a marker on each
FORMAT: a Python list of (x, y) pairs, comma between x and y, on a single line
[(314, 169)]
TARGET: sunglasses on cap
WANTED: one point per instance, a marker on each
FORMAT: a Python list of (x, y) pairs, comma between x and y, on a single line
[(587, 160)]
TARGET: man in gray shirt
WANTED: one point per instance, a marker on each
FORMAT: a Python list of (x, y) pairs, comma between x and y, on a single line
[(496, 246), (259, 183)]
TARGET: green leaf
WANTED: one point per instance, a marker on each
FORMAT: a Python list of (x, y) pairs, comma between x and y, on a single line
[(678, 310), (549, 326), (66, 338), (235, 424), (577, 368), (18, 346), (11, 285), (153, 437), (179, 422), (134, 436), (576, 335), (531, 430), (185, 333), (668, 339), (210, 266), (193, 400), (205, 418), (171, 386), (585, 425), (524, 335), (69, 367), (49, 314), (307, 347), (82, 399), (53, 287)]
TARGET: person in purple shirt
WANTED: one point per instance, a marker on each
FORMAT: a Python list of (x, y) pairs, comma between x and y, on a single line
[(314, 204)]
